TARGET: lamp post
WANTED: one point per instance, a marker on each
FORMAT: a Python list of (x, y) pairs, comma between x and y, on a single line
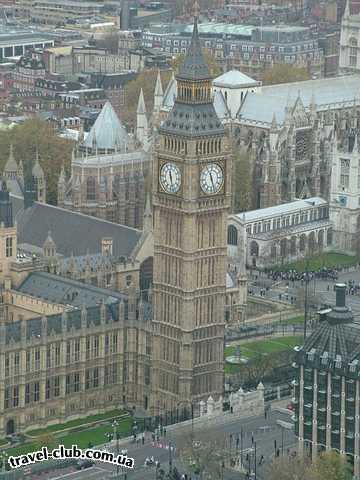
[(115, 424), (3, 456)]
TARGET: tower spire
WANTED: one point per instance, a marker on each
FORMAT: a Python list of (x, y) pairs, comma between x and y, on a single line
[(194, 66)]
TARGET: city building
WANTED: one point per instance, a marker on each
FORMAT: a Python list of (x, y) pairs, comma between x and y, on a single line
[(15, 42), (55, 12), (108, 172), (246, 48), (13, 177), (344, 197), (288, 133), (191, 200), (234, 86), (281, 234), (327, 391), (350, 41)]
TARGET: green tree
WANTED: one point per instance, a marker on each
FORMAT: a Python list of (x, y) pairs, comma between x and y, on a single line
[(288, 468), (36, 135), (146, 80), (331, 466), (327, 466), (242, 180), (284, 73)]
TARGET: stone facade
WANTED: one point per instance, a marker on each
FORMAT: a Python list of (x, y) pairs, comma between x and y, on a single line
[(190, 242), (108, 173), (281, 234), (344, 199), (350, 41)]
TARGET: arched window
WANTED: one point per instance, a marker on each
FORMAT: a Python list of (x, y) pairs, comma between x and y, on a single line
[(90, 189), (232, 235), (353, 44), (283, 247)]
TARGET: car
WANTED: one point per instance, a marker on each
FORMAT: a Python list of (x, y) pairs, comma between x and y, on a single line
[(82, 464), (290, 407)]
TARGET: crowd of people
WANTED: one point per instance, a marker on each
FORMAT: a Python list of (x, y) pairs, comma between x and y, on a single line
[(295, 276)]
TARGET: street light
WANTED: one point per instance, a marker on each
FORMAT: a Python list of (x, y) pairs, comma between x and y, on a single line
[(3, 456), (115, 424)]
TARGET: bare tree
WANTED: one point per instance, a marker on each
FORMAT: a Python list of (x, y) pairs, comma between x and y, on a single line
[(206, 458)]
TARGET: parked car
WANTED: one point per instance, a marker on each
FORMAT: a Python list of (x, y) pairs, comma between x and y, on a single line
[(82, 464)]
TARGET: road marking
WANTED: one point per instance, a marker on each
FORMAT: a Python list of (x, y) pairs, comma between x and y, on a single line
[(91, 471)]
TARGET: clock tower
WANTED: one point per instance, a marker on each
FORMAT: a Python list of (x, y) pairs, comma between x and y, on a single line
[(191, 203)]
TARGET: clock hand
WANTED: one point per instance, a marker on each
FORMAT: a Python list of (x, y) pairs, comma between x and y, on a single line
[(170, 177), (212, 181)]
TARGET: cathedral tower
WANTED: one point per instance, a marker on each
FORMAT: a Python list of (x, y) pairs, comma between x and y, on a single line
[(191, 203)]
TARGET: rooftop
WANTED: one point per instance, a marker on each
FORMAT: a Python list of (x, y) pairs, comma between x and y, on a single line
[(260, 106), (210, 28), (234, 79), (72, 232), (107, 133), (283, 209), (65, 291)]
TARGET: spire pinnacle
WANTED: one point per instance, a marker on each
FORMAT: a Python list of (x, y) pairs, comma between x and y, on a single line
[(158, 86), (194, 66), (347, 9), (141, 109)]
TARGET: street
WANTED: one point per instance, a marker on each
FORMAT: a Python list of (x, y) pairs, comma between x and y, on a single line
[(255, 429), (322, 289)]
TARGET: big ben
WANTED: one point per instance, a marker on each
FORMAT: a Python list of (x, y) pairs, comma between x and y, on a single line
[(191, 202)]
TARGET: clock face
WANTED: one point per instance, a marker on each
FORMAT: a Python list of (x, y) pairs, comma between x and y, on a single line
[(170, 178), (211, 178)]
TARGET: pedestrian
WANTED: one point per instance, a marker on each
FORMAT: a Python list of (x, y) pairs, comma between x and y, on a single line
[(143, 439), (164, 432)]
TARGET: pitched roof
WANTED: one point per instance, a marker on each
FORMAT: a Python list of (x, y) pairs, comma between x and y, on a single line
[(107, 133), (141, 109), (72, 232), (234, 79), (260, 106), (58, 289), (283, 209), (11, 165), (194, 66), (158, 85)]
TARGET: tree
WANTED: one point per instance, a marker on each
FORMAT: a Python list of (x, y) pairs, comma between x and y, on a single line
[(327, 466), (36, 135), (46, 439), (331, 466), (288, 468), (206, 458), (145, 80), (284, 73), (242, 180)]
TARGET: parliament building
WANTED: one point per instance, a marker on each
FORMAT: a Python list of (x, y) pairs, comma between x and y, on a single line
[(97, 315)]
